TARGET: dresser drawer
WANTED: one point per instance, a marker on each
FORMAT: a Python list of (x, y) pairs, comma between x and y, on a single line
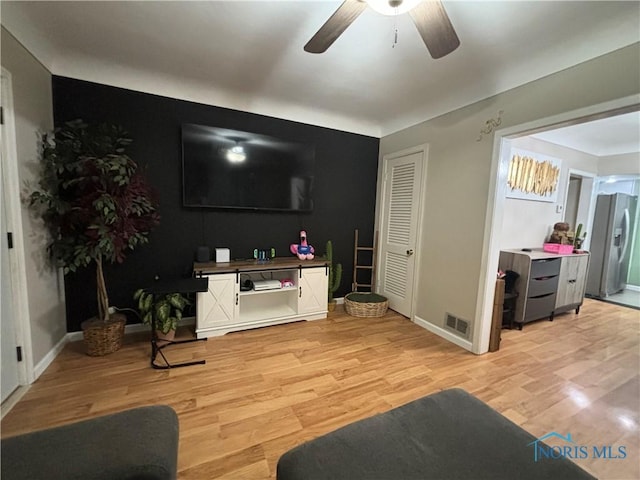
[(542, 286), (539, 307), (545, 267)]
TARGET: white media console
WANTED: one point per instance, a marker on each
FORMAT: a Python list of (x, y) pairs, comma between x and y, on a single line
[(225, 307)]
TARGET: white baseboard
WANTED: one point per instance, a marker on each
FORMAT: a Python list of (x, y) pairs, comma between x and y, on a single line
[(441, 332), (13, 399), (633, 288), (136, 327), (133, 328), (49, 357)]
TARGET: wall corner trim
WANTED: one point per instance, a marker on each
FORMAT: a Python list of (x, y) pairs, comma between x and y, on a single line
[(441, 332)]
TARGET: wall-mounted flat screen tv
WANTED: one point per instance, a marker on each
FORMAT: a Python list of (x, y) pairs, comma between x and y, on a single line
[(230, 169)]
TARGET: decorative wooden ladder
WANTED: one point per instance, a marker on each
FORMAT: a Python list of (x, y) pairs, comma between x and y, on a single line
[(357, 249)]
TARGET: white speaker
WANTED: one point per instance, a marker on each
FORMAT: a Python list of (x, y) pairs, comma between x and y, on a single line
[(223, 255)]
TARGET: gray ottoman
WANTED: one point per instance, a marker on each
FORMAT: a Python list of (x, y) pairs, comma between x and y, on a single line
[(137, 444), (447, 435)]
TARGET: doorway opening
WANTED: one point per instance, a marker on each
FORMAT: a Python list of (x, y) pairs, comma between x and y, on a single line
[(503, 141)]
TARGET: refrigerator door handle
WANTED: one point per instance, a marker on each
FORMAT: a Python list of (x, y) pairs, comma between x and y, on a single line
[(625, 235)]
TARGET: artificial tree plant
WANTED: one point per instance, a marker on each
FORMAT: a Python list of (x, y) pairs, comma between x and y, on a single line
[(335, 275), (93, 198)]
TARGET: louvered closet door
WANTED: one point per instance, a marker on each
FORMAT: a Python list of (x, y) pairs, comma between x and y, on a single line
[(399, 228)]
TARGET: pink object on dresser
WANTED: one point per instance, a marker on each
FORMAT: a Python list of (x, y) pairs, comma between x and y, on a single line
[(557, 248)]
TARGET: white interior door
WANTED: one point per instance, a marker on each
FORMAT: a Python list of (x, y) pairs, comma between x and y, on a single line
[(14, 316), (399, 227), (9, 368)]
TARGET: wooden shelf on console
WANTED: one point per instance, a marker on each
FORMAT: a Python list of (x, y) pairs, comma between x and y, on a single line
[(278, 263)]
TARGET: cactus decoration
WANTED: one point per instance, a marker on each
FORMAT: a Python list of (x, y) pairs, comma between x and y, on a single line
[(335, 272), (579, 238)]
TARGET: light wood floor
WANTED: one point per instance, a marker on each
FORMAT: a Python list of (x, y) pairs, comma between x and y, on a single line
[(267, 390)]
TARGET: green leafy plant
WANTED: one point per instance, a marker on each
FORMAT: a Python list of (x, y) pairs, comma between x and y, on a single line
[(93, 198), (335, 272), (167, 309)]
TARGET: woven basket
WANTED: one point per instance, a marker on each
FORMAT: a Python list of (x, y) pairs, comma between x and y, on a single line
[(360, 304), (102, 338)]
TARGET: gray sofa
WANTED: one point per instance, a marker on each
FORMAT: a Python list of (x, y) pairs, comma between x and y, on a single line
[(447, 435), (137, 444)]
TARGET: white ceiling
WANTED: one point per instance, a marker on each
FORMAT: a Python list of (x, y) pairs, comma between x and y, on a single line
[(605, 137), (249, 56)]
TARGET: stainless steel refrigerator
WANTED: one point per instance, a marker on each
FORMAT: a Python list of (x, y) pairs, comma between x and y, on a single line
[(611, 244)]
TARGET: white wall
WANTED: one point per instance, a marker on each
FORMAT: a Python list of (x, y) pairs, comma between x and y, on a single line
[(625, 164), (450, 275), (33, 108), (528, 223)]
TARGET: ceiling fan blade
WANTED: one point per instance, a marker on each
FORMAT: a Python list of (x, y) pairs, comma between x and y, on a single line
[(333, 28), (435, 28)]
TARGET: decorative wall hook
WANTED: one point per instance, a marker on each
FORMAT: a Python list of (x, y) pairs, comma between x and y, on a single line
[(490, 125)]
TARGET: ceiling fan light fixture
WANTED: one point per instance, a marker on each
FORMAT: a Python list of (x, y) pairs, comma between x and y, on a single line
[(429, 17), (392, 7)]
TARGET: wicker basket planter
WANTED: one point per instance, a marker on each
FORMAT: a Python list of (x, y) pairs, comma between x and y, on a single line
[(102, 338), (360, 304)]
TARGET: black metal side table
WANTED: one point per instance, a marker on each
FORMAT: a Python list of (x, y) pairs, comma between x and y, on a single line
[(162, 287)]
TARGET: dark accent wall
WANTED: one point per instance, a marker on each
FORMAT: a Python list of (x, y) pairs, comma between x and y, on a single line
[(344, 191)]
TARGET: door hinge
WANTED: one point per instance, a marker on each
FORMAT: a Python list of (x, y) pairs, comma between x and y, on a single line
[(19, 353), (10, 239)]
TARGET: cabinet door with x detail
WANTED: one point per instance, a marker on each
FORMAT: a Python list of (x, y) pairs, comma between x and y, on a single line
[(217, 306), (312, 290)]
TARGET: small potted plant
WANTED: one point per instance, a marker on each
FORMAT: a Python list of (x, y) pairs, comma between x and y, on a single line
[(335, 277), (166, 310), (97, 205), (579, 239)]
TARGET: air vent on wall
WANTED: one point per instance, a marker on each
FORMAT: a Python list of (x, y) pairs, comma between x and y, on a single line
[(457, 325)]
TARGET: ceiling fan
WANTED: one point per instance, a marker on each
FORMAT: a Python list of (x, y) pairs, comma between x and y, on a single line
[(429, 17)]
